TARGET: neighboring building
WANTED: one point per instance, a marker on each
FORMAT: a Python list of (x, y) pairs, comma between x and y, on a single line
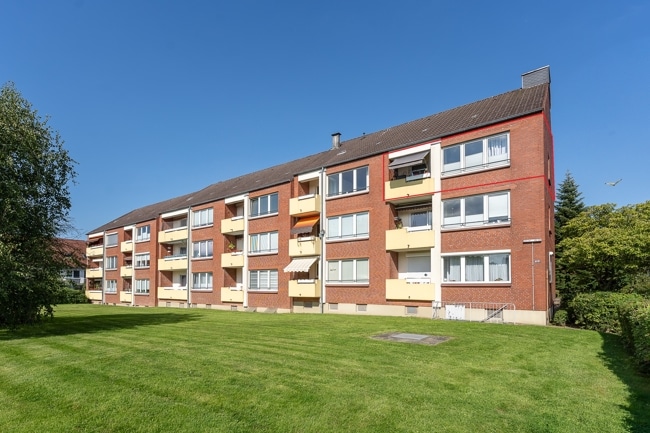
[(449, 216), (73, 253)]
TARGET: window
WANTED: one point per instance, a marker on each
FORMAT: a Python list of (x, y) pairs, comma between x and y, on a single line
[(347, 182), (264, 243), (142, 233), (477, 268), (111, 262), (348, 226), (202, 218), (264, 205), (202, 249), (142, 260), (141, 286), (351, 271), (202, 281), (111, 286), (476, 155), (476, 210), (263, 280), (111, 240)]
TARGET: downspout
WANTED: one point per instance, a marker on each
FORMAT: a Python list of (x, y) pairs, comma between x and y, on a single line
[(321, 234), (104, 270), (244, 272), (134, 232), (188, 243)]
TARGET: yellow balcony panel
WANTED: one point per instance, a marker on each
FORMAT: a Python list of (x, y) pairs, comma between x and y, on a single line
[(172, 264), (94, 295), (126, 246), (304, 288), (95, 273), (95, 251), (232, 294), (400, 189), (304, 205), (126, 271), (126, 296), (172, 235), (176, 293), (232, 260), (404, 240), (403, 290), (232, 226), (308, 246)]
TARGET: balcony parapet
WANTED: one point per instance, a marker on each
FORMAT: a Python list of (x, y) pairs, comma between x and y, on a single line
[(304, 246), (232, 294), (304, 288), (407, 239), (305, 205), (410, 290)]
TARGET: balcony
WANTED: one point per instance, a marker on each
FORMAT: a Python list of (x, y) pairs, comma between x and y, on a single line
[(412, 186), (173, 263), (97, 251), (95, 273), (175, 293), (307, 246), (172, 235), (232, 226), (408, 290), (232, 260), (232, 294), (126, 246), (126, 296), (304, 288), (126, 271), (94, 295), (304, 205), (405, 240)]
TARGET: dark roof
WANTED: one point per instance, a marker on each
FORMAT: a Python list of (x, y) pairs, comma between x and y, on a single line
[(71, 251), (506, 106)]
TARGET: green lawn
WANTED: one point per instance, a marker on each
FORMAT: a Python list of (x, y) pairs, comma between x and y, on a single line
[(118, 369)]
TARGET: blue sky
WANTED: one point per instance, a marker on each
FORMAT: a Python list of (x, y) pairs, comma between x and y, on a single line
[(155, 99)]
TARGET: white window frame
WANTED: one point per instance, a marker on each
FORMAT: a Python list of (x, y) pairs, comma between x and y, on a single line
[(205, 249), (110, 237), (203, 218), (111, 263), (143, 233), (359, 267), (142, 260), (488, 276), (487, 161), (356, 233), (111, 286), (141, 286), (271, 239), (355, 182), (202, 281), (256, 204), (263, 280), (487, 218)]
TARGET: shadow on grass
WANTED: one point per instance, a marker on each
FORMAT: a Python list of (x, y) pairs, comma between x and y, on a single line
[(89, 324), (621, 364)]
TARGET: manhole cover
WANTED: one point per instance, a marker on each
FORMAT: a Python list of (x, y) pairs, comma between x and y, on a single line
[(404, 337)]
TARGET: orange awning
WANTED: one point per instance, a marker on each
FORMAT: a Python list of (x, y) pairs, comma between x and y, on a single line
[(305, 224)]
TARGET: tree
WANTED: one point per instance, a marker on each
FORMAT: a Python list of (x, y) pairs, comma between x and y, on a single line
[(568, 205), (35, 172), (607, 249)]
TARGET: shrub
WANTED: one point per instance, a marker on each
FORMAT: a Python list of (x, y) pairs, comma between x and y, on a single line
[(635, 328), (599, 310), (560, 318), (66, 295)]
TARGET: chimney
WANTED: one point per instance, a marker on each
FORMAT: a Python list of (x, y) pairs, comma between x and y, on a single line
[(536, 77), (336, 140)]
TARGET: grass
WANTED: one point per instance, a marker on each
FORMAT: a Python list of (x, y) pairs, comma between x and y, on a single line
[(113, 369)]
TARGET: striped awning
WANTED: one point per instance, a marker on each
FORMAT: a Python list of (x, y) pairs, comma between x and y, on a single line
[(408, 160), (305, 224), (300, 265)]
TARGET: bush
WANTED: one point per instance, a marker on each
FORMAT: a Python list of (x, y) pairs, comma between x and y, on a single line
[(635, 330), (560, 318), (599, 310), (66, 295)]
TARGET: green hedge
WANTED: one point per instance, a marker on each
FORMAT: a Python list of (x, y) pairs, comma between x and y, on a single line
[(67, 295), (635, 330), (600, 310)]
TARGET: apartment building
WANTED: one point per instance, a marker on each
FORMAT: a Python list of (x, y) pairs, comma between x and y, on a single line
[(447, 216)]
